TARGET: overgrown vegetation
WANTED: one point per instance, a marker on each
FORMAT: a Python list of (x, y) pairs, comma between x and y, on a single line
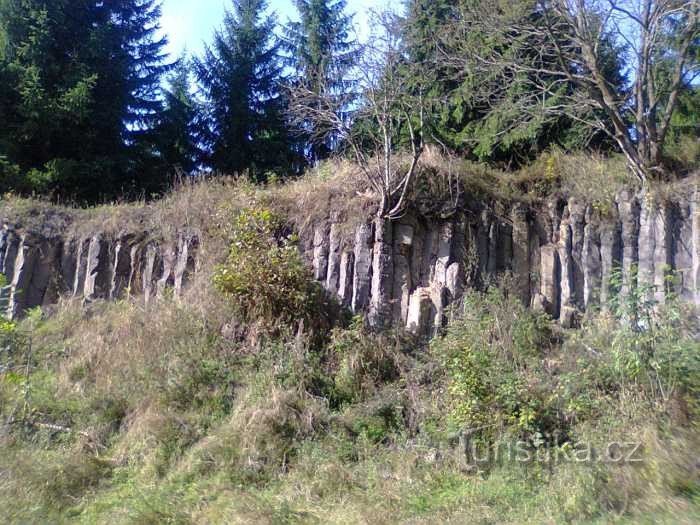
[(225, 408)]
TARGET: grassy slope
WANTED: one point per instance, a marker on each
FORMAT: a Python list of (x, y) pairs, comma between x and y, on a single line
[(197, 412)]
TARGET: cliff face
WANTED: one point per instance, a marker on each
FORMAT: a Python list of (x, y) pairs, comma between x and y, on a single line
[(40, 269), (562, 255)]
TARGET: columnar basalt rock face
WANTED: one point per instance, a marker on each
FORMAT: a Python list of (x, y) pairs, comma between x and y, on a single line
[(629, 210), (40, 270), (566, 257), (695, 243)]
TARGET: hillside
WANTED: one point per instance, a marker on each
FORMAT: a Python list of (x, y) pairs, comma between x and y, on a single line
[(556, 383)]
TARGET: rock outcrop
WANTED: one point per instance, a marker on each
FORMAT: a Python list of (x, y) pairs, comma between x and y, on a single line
[(40, 270), (564, 257)]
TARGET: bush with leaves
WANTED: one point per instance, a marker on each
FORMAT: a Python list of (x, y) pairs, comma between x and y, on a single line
[(8, 330), (491, 358), (265, 274)]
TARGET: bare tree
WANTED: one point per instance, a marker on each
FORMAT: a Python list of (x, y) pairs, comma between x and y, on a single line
[(564, 46), (385, 112)]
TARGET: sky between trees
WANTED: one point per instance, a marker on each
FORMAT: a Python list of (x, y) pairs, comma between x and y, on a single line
[(189, 24)]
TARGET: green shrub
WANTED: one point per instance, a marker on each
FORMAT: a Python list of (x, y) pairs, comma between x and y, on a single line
[(491, 358), (264, 273), (360, 362)]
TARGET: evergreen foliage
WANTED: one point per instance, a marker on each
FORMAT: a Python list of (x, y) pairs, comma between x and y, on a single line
[(241, 76), (322, 54), (177, 131), (81, 86), (479, 109)]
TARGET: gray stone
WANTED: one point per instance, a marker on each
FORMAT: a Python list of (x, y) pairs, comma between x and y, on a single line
[(444, 253), (421, 312), (97, 270), (151, 259), (417, 250), (333, 275), (663, 256), (682, 246), (320, 254), (566, 286), (4, 234), (591, 261), (380, 307), (569, 317), (362, 268), (577, 221), (345, 278), (168, 260), (186, 263), (521, 253), (23, 270), (43, 286), (695, 218), (550, 276), (81, 263), (455, 281), (10, 255), (610, 258), (646, 244), (68, 263), (629, 210), (121, 268), (429, 255), (402, 286)]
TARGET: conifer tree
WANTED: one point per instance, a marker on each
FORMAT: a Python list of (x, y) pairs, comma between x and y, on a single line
[(323, 54), (240, 75), (82, 82), (176, 132)]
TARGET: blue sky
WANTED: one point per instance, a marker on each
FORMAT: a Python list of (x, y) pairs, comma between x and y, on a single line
[(189, 23)]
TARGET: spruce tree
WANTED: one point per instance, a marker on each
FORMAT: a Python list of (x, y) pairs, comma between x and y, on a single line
[(81, 83), (176, 132), (240, 75), (322, 53)]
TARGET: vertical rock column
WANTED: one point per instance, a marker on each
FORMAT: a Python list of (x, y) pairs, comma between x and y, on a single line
[(695, 218), (550, 277), (10, 255), (591, 260), (168, 260), (320, 256), (346, 278), (186, 263), (610, 257), (151, 260), (333, 275), (682, 246), (663, 251), (567, 311), (655, 247), (81, 263), (521, 253), (403, 240), (362, 268), (121, 268), (4, 234), (646, 243), (628, 207), (97, 279), (43, 289), (380, 308), (577, 221), (23, 270)]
